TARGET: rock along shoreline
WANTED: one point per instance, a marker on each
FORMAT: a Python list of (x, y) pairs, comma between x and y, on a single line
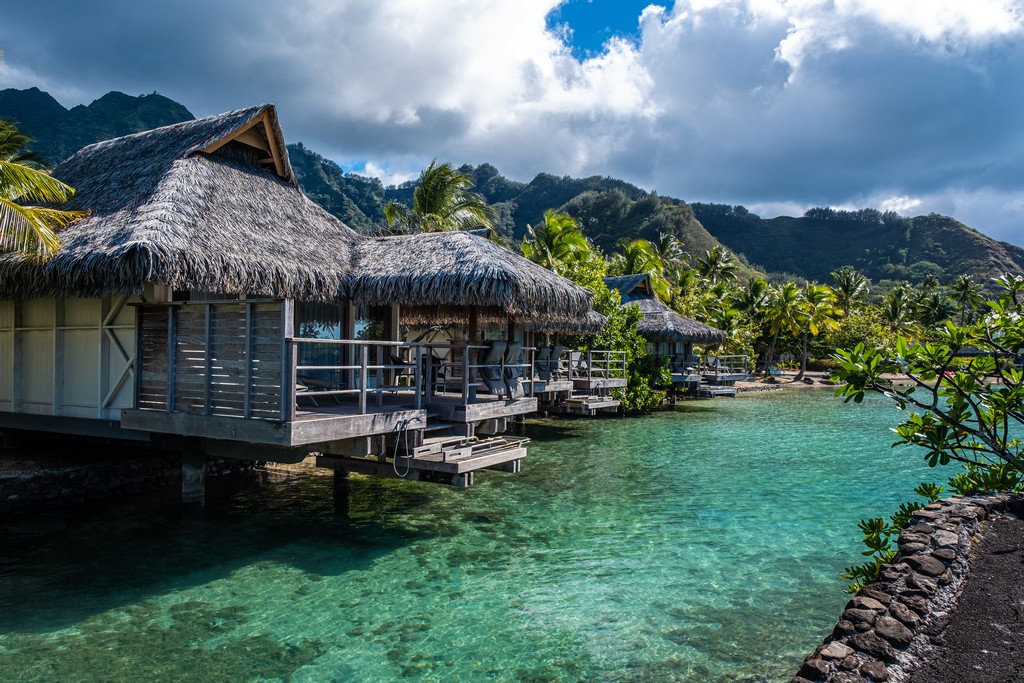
[(895, 625)]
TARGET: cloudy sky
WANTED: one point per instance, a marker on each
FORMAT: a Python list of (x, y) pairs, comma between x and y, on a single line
[(779, 105)]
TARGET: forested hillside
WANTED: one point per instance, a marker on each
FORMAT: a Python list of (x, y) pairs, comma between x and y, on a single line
[(61, 132), (884, 246)]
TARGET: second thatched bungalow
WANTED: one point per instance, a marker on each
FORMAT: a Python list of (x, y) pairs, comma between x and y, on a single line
[(674, 336)]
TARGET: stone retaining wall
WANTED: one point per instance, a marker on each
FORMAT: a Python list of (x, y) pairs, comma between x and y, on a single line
[(886, 631), (47, 488)]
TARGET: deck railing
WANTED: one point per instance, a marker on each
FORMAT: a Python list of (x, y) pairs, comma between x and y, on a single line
[(238, 359), (598, 364), (332, 369), (463, 369), (725, 365)]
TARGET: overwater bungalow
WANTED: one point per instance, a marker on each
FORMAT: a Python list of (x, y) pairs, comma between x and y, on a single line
[(206, 305), (674, 336), (576, 382)]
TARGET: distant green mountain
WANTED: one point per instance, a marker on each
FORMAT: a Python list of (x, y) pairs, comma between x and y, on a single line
[(61, 132), (356, 200), (520, 204), (882, 245)]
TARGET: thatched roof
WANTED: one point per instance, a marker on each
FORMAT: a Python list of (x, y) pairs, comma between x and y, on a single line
[(631, 285), (660, 321), (212, 205), (442, 268), (166, 209), (590, 322)]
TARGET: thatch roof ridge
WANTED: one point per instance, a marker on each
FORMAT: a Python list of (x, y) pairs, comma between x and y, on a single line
[(173, 141), (432, 269), (661, 321), (627, 284)]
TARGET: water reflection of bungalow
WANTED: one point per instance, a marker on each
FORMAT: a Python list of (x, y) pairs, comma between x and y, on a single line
[(674, 336), (207, 306)]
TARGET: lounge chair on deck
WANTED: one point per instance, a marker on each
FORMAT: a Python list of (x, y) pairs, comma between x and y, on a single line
[(513, 369), (542, 364), (678, 363), (405, 372), (578, 364), (559, 368), (491, 359)]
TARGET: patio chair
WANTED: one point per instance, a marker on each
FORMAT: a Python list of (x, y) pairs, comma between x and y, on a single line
[(490, 358), (513, 369), (578, 364), (558, 367), (542, 364)]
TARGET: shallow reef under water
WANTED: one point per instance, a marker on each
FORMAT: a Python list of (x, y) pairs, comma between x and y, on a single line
[(701, 544)]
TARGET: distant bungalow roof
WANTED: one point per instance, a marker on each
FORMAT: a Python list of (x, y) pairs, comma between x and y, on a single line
[(213, 205), (659, 320)]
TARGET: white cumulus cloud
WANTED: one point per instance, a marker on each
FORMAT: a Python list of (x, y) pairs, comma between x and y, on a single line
[(788, 103)]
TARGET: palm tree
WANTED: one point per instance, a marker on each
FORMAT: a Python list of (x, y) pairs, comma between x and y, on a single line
[(932, 306), (751, 299), (640, 256), (968, 294), (556, 242), (13, 147), (782, 312), (441, 202), (898, 307), (30, 230), (819, 313), (850, 288), (684, 280), (669, 251), (717, 264)]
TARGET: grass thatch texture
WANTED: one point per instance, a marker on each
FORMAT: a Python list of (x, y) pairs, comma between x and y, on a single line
[(161, 211), (165, 211), (433, 269)]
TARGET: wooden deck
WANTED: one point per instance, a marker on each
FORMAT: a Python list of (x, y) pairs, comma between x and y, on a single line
[(589, 405), (596, 383), (551, 386), (311, 426), (449, 407)]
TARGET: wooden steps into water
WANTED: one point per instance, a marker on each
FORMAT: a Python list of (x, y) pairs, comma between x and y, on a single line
[(588, 405), (446, 460), (707, 391)]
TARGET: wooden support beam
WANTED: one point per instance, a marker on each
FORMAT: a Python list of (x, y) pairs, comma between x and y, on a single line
[(268, 129), (172, 342), (474, 324), (247, 405)]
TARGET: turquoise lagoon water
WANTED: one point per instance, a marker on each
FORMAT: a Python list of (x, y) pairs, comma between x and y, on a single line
[(697, 545)]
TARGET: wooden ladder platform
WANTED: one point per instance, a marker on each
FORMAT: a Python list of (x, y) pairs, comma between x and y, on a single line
[(715, 392), (474, 454), (588, 405)]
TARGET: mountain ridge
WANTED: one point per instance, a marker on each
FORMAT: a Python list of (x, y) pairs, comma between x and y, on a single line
[(884, 246)]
